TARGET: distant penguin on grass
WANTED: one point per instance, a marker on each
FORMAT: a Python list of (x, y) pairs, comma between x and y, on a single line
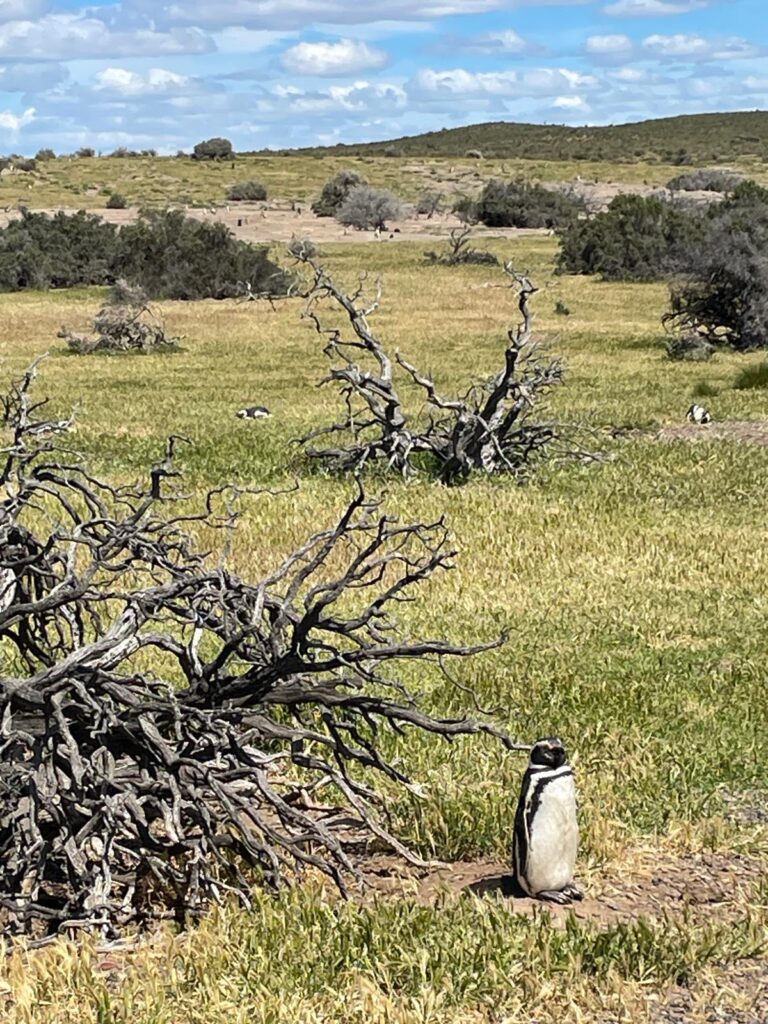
[(254, 412), (698, 414), (546, 837)]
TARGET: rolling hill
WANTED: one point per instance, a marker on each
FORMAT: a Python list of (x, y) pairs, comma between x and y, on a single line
[(693, 138)]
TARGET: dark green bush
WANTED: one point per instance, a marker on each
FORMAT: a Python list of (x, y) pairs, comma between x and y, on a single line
[(116, 202), (525, 204), (752, 377), (705, 180), (173, 256), (242, 191), (85, 152), (40, 251), (213, 149), (166, 253), (635, 239), (45, 154), (335, 191)]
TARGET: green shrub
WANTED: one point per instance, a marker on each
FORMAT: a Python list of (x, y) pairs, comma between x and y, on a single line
[(116, 201), (368, 208), (752, 377), (172, 256), (636, 239), (524, 204), (166, 253), (59, 251), (705, 180), (252, 191), (213, 149), (335, 191), (722, 292), (45, 154), (85, 152)]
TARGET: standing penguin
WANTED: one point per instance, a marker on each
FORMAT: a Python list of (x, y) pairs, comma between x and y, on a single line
[(546, 831)]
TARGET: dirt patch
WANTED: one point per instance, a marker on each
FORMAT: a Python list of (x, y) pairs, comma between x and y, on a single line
[(746, 431), (259, 222), (711, 884)]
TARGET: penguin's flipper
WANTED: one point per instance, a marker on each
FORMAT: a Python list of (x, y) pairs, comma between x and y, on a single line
[(554, 896)]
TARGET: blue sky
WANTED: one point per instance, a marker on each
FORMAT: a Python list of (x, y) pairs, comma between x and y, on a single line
[(274, 73)]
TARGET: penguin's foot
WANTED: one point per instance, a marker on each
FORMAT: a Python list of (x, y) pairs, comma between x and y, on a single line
[(573, 892), (560, 896)]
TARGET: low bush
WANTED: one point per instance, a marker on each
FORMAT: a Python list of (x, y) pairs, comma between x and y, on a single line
[(689, 347), (173, 256), (213, 149), (722, 290), (166, 253), (335, 191), (636, 239), (367, 208), (525, 204), (45, 154), (247, 191), (116, 202), (705, 180)]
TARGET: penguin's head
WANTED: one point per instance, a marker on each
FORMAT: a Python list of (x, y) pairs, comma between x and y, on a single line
[(548, 753)]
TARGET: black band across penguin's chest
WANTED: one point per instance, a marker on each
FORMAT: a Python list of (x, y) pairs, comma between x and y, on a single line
[(536, 784)]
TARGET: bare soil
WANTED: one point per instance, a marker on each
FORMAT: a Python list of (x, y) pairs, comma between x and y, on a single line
[(260, 222), (746, 431), (711, 884)]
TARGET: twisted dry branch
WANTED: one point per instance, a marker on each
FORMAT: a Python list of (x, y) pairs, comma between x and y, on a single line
[(491, 429), (170, 732)]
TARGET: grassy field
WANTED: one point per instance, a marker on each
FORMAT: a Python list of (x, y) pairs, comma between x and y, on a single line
[(85, 183), (634, 596)]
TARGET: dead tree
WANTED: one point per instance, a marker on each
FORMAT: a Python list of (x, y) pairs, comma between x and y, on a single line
[(491, 429), (170, 732), (460, 252), (126, 323)]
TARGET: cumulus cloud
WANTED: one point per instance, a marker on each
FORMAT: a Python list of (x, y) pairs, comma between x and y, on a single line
[(609, 45), (507, 43), (13, 123), (654, 8), (75, 37), (345, 57), (157, 81), (537, 82), (693, 47)]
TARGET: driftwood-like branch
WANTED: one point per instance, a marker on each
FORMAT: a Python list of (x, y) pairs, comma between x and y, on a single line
[(170, 732), (491, 429)]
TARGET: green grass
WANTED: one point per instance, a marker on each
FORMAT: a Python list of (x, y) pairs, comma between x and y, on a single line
[(752, 377), (633, 593)]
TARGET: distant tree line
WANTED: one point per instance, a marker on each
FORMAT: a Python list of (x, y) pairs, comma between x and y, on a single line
[(168, 254)]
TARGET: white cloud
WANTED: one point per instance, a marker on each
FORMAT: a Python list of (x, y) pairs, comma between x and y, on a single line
[(14, 122), (237, 39), (506, 42), (654, 8), (346, 57), (694, 47), (570, 103), (73, 37), (157, 81), (610, 45), (538, 82), (20, 10)]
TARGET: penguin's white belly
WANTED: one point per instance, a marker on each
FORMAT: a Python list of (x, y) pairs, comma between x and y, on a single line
[(553, 839)]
